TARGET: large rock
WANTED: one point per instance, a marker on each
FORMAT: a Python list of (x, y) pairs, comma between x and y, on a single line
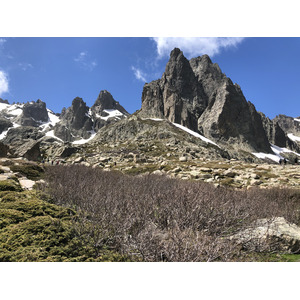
[(22, 133), (29, 149), (196, 94), (272, 235), (34, 113)]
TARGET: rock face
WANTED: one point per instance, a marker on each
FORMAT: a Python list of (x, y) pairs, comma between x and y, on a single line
[(5, 124), (277, 135), (106, 110), (75, 122), (34, 113), (196, 94), (288, 124), (79, 121)]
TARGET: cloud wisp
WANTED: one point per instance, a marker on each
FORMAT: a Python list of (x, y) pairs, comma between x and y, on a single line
[(84, 60), (25, 66), (195, 46), (3, 83), (139, 74)]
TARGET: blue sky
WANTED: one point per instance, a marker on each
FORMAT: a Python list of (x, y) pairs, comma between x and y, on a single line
[(56, 70)]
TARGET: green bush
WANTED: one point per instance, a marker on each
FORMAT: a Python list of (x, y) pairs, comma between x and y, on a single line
[(31, 171), (9, 185)]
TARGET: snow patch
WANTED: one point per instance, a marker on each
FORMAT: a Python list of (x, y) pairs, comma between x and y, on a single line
[(297, 120), (51, 133), (195, 134), (4, 133), (53, 119), (112, 113), (276, 156), (293, 137), (83, 141)]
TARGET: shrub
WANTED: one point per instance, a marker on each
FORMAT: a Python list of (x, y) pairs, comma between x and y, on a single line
[(31, 171), (161, 219), (9, 185)]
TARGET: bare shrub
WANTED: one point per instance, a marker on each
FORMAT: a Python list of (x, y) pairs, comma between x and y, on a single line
[(163, 219)]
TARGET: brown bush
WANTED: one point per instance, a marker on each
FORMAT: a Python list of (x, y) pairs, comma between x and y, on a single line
[(163, 219)]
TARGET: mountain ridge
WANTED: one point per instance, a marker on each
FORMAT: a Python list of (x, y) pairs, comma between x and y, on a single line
[(192, 93)]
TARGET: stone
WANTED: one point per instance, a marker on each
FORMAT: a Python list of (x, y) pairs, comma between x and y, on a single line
[(183, 159), (26, 183), (79, 159)]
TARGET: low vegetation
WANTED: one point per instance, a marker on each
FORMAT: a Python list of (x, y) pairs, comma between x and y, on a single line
[(32, 229), (155, 218), (31, 171)]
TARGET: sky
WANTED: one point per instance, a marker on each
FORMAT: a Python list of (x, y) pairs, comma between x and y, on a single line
[(56, 70)]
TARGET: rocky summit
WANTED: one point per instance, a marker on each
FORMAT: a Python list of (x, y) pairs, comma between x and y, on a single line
[(193, 115)]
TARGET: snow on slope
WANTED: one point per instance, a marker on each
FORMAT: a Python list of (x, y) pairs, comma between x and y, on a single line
[(189, 131), (276, 156), (83, 141), (53, 119), (293, 137), (51, 133), (4, 133), (298, 120), (112, 113), (195, 134)]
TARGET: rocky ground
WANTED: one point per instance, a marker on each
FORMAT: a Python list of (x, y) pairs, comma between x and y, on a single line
[(185, 162)]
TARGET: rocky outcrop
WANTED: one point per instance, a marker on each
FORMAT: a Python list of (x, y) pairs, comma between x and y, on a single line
[(3, 101), (5, 124), (196, 94), (106, 101), (34, 113), (288, 124), (75, 122), (106, 110), (271, 235), (276, 135)]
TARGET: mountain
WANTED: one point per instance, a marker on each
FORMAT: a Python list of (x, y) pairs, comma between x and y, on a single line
[(193, 104), (196, 94)]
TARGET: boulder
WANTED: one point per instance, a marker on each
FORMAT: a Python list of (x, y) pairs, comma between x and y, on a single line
[(271, 235)]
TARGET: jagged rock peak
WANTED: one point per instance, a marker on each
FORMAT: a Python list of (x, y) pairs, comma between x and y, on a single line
[(197, 95), (34, 113), (106, 101)]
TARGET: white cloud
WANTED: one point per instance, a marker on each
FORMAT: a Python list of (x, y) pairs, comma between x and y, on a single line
[(195, 46), (3, 83), (25, 66), (139, 74), (84, 60)]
